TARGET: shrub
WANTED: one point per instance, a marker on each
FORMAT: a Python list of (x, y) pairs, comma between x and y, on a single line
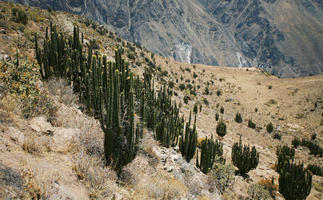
[(164, 73), (193, 91), (313, 136), (270, 127), (206, 91), (238, 118), (216, 116), (277, 136), (218, 93), (182, 87), (314, 148), (221, 128), (296, 142), (222, 110), (195, 75), (131, 56), (270, 87), (258, 192), (206, 102), (256, 109), (251, 124), (20, 16), (244, 158), (269, 185), (295, 182), (221, 177)]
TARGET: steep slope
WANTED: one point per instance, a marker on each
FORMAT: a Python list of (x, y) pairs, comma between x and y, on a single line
[(284, 37)]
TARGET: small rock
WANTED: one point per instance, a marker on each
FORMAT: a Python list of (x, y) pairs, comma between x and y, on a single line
[(40, 124), (16, 135), (63, 138), (174, 157)]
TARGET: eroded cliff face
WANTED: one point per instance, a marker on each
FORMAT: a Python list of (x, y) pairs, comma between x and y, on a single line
[(285, 36)]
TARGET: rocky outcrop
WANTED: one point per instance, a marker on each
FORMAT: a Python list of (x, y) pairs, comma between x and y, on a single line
[(284, 37)]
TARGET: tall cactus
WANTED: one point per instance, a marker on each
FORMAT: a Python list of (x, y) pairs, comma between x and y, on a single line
[(188, 141), (209, 150), (244, 158), (295, 182)]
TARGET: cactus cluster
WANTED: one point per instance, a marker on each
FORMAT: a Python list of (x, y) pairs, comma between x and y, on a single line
[(295, 182), (284, 154), (244, 158), (105, 88), (159, 112), (209, 150)]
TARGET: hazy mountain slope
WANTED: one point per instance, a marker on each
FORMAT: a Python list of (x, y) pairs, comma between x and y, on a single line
[(285, 37)]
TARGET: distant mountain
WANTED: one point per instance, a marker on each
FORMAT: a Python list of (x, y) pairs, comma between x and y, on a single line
[(282, 36)]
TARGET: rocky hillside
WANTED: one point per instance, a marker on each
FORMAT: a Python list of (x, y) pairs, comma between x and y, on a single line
[(284, 37), (51, 146)]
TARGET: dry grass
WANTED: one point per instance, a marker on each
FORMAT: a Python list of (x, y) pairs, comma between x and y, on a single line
[(62, 91), (36, 145), (100, 180)]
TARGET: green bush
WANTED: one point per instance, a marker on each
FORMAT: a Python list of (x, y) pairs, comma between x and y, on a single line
[(270, 127), (182, 87), (251, 124), (218, 93), (20, 16), (221, 128), (206, 102), (277, 136), (206, 91), (258, 192), (314, 148), (131, 56), (313, 136), (244, 158), (296, 142), (238, 118), (221, 177), (222, 110), (171, 84), (217, 116)]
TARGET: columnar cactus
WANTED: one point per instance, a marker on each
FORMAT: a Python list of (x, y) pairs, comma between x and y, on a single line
[(188, 141), (209, 150), (295, 182), (244, 158)]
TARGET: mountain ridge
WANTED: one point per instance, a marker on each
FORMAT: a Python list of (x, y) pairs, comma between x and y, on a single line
[(240, 33)]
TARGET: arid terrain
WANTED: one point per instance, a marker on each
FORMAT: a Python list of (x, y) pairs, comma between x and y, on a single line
[(50, 149)]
